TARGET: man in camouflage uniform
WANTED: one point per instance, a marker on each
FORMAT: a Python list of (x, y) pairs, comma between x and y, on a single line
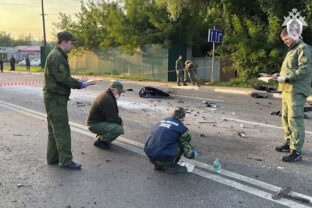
[(103, 118), (169, 140), (56, 91), (189, 72), (295, 83), (179, 67)]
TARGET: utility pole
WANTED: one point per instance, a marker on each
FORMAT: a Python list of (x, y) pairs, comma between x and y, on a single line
[(43, 22)]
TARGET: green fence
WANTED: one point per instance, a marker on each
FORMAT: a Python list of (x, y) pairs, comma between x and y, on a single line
[(148, 62)]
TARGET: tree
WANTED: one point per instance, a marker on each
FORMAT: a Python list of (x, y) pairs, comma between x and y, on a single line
[(7, 41)]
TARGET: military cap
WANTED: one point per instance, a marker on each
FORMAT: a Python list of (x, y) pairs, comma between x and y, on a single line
[(179, 112), (117, 85), (64, 35)]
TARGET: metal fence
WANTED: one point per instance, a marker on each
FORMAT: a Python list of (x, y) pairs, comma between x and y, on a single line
[(148, 62)]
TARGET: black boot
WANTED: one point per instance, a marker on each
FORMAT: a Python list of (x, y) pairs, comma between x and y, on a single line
[(175, 168), (293, 157), (101, 144), (73, 166), (158, 168), (283, 148)]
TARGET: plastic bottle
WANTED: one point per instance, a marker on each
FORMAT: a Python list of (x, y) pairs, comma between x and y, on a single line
[(217, 166)]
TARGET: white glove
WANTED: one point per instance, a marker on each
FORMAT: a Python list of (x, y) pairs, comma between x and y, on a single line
[(281, 79), (275, 75)]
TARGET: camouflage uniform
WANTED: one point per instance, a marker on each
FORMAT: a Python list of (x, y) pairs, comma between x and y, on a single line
[(56, 92), (297, 70), (179, 67), (189, 72)]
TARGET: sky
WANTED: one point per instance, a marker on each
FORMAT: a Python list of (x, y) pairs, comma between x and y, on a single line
[(19, 17)]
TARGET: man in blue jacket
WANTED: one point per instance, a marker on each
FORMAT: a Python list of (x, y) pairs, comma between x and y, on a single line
[(169, 140)]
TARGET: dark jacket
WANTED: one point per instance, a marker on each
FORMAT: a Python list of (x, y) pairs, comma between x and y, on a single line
[(163, 144), (12, 61), (57, 77), (104, 108), (27, 62)]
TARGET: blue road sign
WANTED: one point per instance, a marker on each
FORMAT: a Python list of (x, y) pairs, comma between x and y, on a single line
[(215, 36)]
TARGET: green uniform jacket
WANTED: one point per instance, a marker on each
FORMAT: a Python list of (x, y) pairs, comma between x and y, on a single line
[(179, 64), (58, 80), (104, 108), (297, 67)]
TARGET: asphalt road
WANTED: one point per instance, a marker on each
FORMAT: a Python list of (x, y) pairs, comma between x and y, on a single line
[(123, 177)]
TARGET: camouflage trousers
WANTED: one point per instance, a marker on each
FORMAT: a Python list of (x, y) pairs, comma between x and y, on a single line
[(189, 75), (59, 138), (293, 119), (166, 164), (107, 131)]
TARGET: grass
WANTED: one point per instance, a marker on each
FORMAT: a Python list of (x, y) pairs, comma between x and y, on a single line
[(23, 68)]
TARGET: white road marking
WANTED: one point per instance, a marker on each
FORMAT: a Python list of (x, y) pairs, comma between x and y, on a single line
[(138, 148), (260, 124)]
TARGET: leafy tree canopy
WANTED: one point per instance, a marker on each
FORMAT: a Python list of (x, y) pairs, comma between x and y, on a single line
[(251, 42)]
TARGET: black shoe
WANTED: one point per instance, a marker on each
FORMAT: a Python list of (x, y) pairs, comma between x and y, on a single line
[(283, 148), (185, 85), (158, 168), (73, 166), (293, 157), (179, 85), (175, 168), (53, 163), (103, 145)]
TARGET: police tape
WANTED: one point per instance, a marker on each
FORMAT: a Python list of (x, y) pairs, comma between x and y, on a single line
[(12, 84)]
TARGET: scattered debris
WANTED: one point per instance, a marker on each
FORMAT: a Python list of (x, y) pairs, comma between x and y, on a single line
[(108, 161), (242, 126), (279, 113), (180, 101), (242, 134), (286, 192), (83, 153), (151, 92), (212, 109), (17, 135), (207, 122), (276, 113), (265, 88), (259, 95), (80, 104), (129, 90), (280, 168), (202, 135), (19, 185), (307, 109)]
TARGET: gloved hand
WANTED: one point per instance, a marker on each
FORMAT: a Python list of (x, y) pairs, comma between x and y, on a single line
[(275, 75), (195, 154), (282, 79), (83, 85)]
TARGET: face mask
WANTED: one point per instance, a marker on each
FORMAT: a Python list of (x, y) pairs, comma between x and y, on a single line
[(116, 96)]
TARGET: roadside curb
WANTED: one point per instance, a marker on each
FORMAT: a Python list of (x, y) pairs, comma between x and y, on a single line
[(226, 90)]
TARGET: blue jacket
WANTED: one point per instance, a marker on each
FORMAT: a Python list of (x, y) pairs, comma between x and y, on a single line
[(163, 144)]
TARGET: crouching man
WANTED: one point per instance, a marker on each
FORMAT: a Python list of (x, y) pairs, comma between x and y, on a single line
[(103, 118), (169, 140)]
